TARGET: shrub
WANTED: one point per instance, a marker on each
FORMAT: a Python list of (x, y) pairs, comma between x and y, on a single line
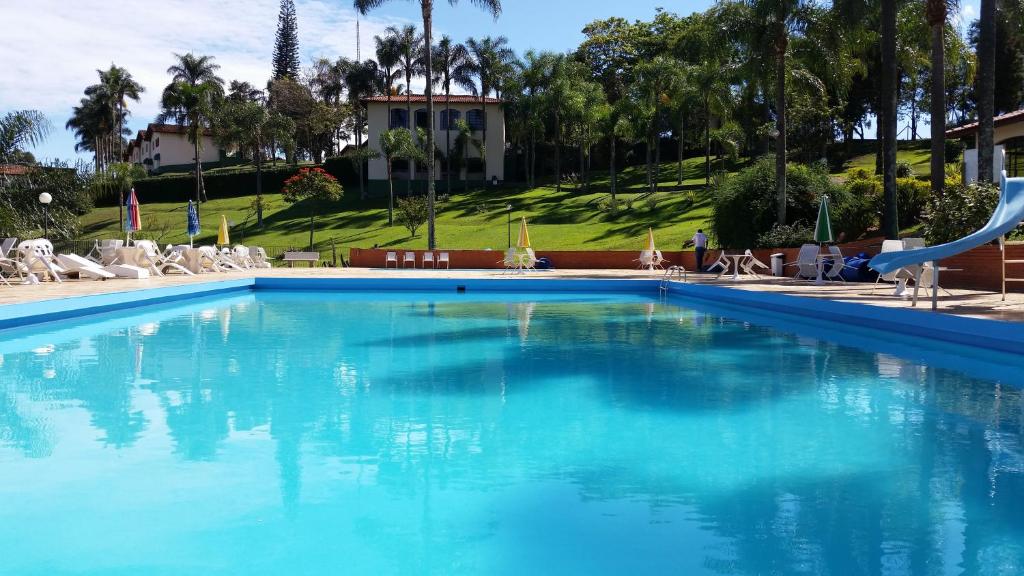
[(609, 205), (904, 169), (411, 212), (958, 211), (911, 197), (786, 236), (744, 205), (21, 214), (651, 202), (315, 186)]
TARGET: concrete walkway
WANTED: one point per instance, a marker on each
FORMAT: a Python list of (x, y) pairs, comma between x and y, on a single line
[(962, 302)]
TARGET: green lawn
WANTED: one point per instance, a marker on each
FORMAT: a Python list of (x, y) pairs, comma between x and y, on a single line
[(558, 220), (917, 153)]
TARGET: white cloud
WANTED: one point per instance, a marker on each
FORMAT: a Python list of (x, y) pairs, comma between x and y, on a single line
[(968, 13), (56, 46)]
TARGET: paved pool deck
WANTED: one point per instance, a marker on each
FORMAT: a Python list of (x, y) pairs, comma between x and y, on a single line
[(971, 303)]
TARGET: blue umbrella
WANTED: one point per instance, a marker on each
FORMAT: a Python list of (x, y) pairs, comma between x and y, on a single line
[(193, 221)]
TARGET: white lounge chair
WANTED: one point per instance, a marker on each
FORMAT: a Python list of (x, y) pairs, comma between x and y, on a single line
[(408, 258), (6, 246), (159, 263), (722, 262), (221, 263), (391, 258), (510, 261), (898, 277), (85, 268), (528, 261), (259, 257), (240, 255), (835, 272), (751, 263), (104, 252), (806, 262), (37, 255), (646, 260), (443, 259), (657, 260), (428, 257)]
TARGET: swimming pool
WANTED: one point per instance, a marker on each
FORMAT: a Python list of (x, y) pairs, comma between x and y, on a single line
[(288, 432)]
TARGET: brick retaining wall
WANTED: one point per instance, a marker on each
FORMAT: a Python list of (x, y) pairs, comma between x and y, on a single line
[(980, 267)]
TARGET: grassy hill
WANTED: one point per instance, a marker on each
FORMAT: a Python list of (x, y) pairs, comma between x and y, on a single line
[(569, 219)]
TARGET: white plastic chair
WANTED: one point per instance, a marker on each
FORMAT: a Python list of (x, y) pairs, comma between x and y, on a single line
[(896, 276), (528, 261), (428, 257), (657, 260), (6, 246), (443, 259), (391, 258), (510, 260), (835, 272), (646, 260), (409, 258), (750, 263), (259, 257), (37, 256), (806, 262)]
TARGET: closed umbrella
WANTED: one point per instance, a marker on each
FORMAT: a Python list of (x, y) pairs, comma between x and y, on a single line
[(222, 233), (133, 222), (823, 229), (524, 235), (649, 244), (193, 222)]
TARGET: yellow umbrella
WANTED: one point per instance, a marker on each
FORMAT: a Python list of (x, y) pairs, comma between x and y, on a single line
[(524, 235), (222, 234), (649, 246)]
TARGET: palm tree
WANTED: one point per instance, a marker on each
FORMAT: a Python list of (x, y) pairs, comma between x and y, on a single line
[(395, 143), (190, 100), (388, 54), (490, 57), (361, 82), (937, 11), (410, 54), (712, 88), (986, 79), (20, 129), (90, 123), (452, 66), (656, 79), (117, 86), (535, 72), (427, 10)]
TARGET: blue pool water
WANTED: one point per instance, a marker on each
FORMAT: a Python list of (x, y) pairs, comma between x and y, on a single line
[(348, 433)]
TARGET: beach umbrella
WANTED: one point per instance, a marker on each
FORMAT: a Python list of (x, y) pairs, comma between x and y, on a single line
[(193, 222), (649, 243), (222, 234), (133, 222), (524, 235), (823, 229)]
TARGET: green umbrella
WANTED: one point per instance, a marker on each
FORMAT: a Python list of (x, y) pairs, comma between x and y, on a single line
[(823, 229)]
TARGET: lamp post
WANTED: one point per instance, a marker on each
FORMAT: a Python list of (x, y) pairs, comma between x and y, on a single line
[(508, 210), (45, 200)]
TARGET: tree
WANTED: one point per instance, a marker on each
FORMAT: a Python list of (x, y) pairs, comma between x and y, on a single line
[(890, 210), (115, 88), (412, 213), (986, 88), (90, 123), (251, 127), (360, 81), (936, 12), (451, 67), (656, 79), (191, 100), (396, 143), (19, 130), (243, 92), (712, 87), (388, 54), (490, 57), (460, 152), (315, 187), (286, 43), (410, 53), (427, 11)]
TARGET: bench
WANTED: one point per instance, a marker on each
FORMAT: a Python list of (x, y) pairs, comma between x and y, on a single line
[(310, 257)]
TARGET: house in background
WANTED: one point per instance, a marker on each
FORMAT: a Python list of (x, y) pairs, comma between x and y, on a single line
[(165, 148), (1008, 137), (464, 107)]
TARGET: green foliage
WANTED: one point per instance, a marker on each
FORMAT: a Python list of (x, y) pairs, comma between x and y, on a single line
[(21, 214), (786, 236), (744, 206), (904, 169), (19, 130), (312, 184), (651, 202), (610, 206), (958, 210), (862, 206), (911, 197), (286, 43), (412, 213), (114, 184)]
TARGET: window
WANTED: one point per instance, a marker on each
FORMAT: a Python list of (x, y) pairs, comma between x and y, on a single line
[(158, 142), (455, 115), (422, 120), (1014, 149), (475, 117), (399, 118)]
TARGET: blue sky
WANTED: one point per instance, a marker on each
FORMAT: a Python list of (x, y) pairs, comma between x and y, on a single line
[(60, 43)]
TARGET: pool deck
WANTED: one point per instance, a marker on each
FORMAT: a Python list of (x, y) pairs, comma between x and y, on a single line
[(970, 303)]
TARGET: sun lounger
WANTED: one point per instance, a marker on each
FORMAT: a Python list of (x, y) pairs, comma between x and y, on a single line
[(806, 262), (37, 256), (259, 257), (83, 267)]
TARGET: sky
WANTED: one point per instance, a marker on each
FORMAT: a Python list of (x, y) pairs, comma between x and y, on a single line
[(56, 46)]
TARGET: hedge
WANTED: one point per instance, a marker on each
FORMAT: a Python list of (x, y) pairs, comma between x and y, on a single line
[(233, 184)]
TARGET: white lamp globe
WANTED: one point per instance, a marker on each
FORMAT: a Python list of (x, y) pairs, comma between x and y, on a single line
[(45, 198)]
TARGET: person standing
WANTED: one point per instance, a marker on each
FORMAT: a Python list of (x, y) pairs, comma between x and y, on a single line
[(700, 246)]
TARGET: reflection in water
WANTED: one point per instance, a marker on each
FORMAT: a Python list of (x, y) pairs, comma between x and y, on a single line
[(432, 436)]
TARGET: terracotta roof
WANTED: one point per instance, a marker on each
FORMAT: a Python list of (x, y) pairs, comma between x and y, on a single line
[(438, 99), (170, 129), (1001, 120), (13, 169)]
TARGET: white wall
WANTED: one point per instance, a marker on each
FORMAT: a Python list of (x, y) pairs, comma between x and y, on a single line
[(175, 149), (971, 164), (377, 122)]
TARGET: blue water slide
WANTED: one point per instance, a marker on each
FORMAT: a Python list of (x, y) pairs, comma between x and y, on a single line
[(1008, 215)]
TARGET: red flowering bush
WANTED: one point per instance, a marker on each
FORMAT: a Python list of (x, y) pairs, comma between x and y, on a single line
[(314, 185)]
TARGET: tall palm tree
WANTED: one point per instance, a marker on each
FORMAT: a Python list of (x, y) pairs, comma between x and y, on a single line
[(451, 67), (490, 57), (388, 54), (89, 122), (535, 72), (118, 86), (361, 81), (427, 10), (410, 57), (395, 143), (986, 80), (20, 129), (190, 100), (937, 12)]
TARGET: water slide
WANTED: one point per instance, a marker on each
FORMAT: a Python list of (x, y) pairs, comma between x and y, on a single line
[(1008, 215)]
